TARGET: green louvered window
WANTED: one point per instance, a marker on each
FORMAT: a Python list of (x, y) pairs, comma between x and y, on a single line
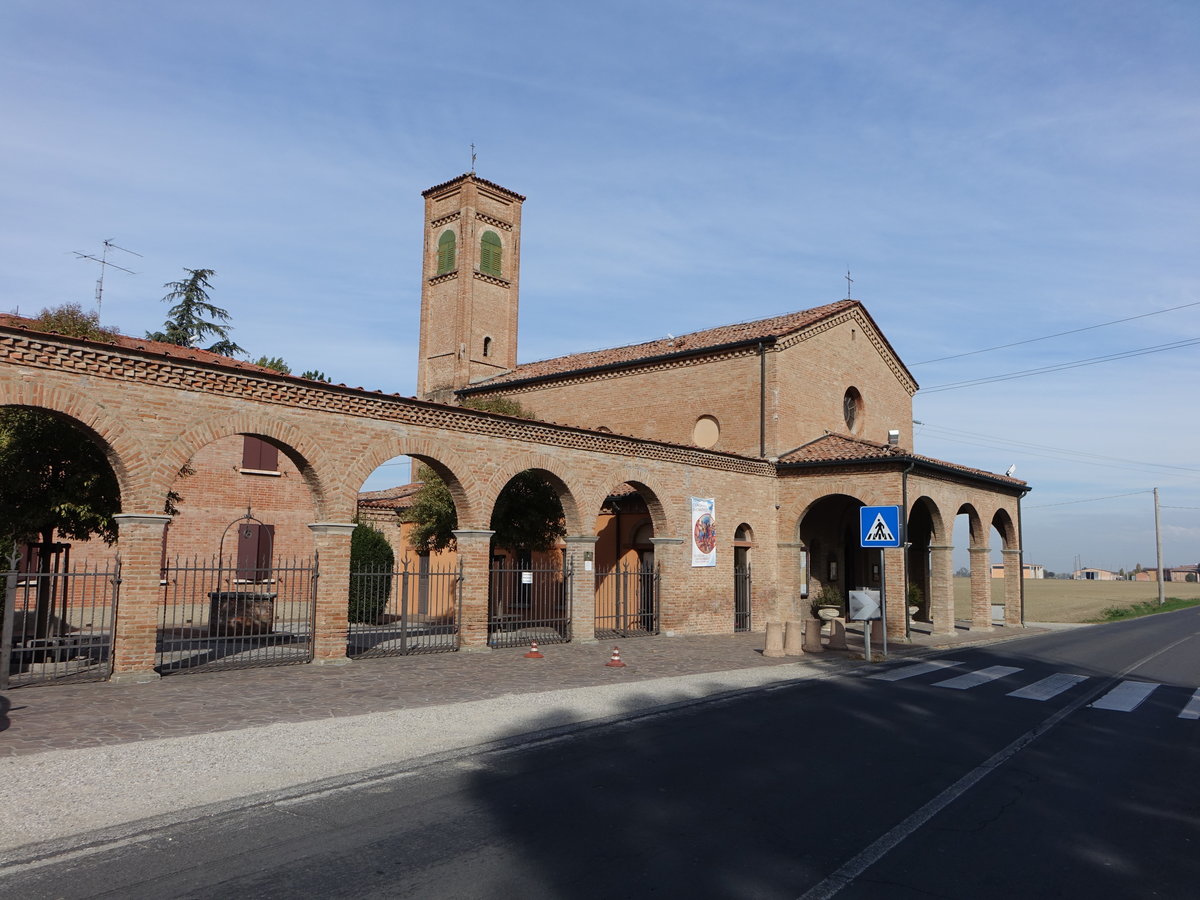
[(489, 254), (446, 252)]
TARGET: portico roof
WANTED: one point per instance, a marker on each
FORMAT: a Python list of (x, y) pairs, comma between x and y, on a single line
[(838, 449)]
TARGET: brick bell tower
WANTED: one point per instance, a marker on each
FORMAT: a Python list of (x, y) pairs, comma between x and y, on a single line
[(469, 281)]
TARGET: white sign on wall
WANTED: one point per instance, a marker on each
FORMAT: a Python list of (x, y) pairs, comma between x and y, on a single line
[(704, 531)]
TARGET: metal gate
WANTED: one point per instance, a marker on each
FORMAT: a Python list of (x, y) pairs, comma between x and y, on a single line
[(396, 613), (741, 598), (627, 601), (218, 614), (58, 625), (527, 604)]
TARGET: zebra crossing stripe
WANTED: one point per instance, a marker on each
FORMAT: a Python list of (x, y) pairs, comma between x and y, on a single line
[(915, 669), (1048, 687), (1192, 710), (1126, 696), (976, 678)]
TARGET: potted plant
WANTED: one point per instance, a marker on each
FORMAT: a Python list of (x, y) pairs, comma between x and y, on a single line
[(827, 604)]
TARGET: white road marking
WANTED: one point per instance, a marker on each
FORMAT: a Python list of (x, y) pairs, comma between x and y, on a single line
[(1048, 687), (1192, 710), (1126, 696), (976, 678), (916, 669)]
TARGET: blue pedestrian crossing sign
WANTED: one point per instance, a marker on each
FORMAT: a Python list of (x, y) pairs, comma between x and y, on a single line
[(879, 526)]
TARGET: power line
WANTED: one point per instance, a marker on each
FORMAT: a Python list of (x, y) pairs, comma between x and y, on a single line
[(1088, 500), (1091, 361), (986, 440), (1050, 336)]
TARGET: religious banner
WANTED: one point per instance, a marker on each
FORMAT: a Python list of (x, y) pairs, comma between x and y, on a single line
[(704, 532)]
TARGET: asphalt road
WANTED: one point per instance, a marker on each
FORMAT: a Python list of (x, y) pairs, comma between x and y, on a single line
[(889, 782)]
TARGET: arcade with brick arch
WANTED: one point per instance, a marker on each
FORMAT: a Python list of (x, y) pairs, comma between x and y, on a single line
[(810, 419)]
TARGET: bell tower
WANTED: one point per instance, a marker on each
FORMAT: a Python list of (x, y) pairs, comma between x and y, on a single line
[(469, 280)]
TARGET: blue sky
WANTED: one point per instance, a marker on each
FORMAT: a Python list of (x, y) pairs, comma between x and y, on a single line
[(990, 173)]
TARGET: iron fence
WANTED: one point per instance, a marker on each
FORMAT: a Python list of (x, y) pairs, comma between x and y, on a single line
[(741, 598), (526, 604), (219, 615), (627, 601), (397, 613), (58, 626)]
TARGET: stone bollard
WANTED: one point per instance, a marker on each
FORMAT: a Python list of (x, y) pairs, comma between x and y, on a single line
[(774, 639), (837, 634), (812, 636), (793, 638)]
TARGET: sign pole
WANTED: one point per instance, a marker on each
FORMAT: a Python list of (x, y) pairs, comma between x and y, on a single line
[(883, 597), (867, 640)]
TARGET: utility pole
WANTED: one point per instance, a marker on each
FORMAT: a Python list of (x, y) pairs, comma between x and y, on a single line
[(1158, 548)]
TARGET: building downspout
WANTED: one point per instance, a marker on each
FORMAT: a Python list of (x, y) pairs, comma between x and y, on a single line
[(762, 399), (907, 544), (1021, 555)]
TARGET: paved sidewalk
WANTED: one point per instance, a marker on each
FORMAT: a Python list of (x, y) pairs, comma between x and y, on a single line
[(74, 716)]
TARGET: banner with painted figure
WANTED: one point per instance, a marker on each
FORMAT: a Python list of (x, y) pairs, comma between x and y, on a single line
[(704, 532)]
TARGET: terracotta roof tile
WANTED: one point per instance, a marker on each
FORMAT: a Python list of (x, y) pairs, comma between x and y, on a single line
[(835, 448), (399, 497), (7, 320), (743, 332), (477, 180)]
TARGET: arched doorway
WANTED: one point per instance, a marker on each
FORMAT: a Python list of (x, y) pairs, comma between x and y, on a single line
[(627, 579), (743, 542)]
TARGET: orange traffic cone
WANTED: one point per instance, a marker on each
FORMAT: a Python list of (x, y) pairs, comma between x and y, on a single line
[(616, 658), (534, 652)]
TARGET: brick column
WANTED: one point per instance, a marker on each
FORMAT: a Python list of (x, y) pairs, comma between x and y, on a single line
[(580, 558), (475, 557), (981, 589), (332, 540), (1013, 573), (139, 606), (670, 560), (897, 594), (941, 588)]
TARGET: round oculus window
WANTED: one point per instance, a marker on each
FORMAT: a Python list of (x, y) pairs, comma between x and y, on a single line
[(706, 432)]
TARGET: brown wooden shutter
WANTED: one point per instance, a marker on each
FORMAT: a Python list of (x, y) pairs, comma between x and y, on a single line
[(258, 454)]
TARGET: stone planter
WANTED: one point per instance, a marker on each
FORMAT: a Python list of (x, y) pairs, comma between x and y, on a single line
[(829, 613)]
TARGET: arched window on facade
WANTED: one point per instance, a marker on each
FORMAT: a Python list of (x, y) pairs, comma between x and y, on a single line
[(446, 252), (487, 346), (489, 254)]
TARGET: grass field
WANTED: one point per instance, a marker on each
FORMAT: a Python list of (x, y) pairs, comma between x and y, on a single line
[(1055, 600)]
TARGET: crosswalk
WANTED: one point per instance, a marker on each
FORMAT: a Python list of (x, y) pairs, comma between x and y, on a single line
[(1125, 696)]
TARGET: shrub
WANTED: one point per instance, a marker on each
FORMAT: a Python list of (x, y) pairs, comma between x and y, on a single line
[(371, 561)]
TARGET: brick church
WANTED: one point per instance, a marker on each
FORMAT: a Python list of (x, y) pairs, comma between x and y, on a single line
[(722, 470)]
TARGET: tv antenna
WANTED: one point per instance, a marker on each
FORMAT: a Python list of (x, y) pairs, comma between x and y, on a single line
[(104, 264), (472, 159)]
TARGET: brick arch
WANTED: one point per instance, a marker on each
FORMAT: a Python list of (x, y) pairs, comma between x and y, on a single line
[(546, 465), (975, 531), (459, 474), (1003, 523), (931, 506), (126, 453), (660, 517), (318, 467)]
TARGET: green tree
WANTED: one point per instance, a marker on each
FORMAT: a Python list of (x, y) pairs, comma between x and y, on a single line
[(316, 375), (371, 564), (70, 320), (194, 317), (432, 514), (274, 362)]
